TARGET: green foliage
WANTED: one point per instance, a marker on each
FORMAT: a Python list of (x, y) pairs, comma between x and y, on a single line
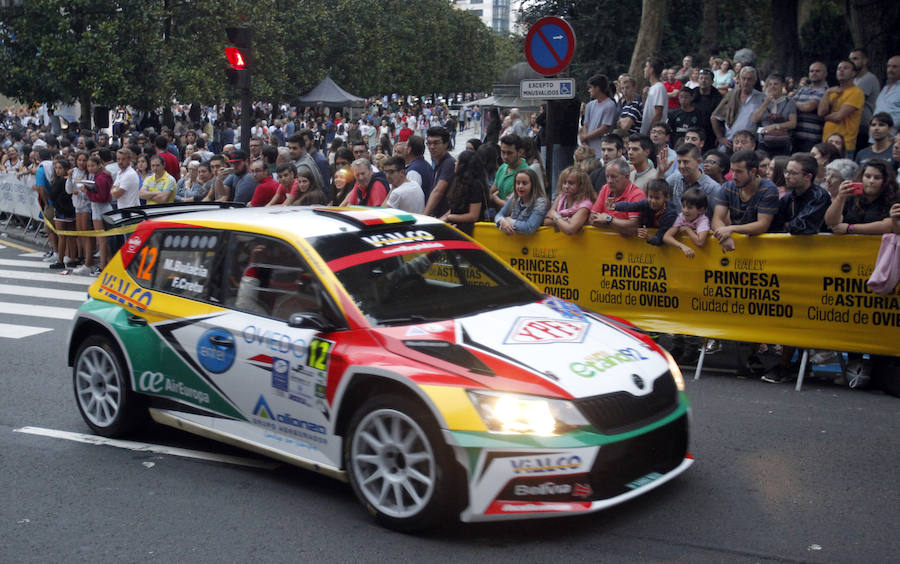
[(149, 53), (830, 47)]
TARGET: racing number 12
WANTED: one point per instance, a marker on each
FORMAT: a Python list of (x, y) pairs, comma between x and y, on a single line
[(318, 354), (148, 261)]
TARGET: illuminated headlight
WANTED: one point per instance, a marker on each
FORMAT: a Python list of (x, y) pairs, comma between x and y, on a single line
[(676, 372), (517, 414)]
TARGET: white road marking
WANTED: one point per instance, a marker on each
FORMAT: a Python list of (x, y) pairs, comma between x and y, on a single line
[(47, 277), (43, 293), (9, 331), (25, 263), (148, 447), (36, 254), (37, 311)]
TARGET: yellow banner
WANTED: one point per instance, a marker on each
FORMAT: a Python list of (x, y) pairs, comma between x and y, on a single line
[(806, 291)]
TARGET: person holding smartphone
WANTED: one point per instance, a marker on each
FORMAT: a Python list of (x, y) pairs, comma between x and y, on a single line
[(864, 207)]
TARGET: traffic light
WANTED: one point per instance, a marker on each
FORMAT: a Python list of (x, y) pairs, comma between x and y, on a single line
[(239, 56)]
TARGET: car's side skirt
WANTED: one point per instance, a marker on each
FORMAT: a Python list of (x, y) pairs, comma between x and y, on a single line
[(172, 419)]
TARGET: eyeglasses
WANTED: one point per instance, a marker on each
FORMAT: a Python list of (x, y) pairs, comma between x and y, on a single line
[(711, 162), (788, 172)]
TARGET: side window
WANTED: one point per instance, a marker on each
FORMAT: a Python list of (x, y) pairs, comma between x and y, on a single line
[(268, 277), (178, 261)]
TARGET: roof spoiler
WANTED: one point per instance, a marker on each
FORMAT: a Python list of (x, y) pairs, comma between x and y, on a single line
[(137, 214)]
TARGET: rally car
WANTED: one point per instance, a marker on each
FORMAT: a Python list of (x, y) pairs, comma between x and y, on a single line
[(381, 348)]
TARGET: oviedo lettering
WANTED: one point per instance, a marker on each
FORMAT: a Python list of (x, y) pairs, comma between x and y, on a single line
[(600, 362), (552, 274), (158, 383), (753, 293), (274, 341), (638, 283), (124, 292), (845, 299), (551, 463)]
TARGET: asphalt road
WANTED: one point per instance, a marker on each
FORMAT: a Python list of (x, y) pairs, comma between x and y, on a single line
[(779, 476)]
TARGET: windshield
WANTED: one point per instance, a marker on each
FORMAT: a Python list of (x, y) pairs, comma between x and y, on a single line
[(420, 273)]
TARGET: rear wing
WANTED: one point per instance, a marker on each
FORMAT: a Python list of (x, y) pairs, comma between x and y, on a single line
[(137, 214)]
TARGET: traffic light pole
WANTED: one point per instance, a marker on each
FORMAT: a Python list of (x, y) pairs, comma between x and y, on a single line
[(246, 118)]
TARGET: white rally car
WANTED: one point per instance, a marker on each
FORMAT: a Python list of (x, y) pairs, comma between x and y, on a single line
[(380, 348)]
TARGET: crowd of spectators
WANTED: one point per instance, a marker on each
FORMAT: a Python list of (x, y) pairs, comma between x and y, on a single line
[(701, 151)]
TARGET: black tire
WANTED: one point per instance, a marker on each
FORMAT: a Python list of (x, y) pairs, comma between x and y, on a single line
[(432, 476), (103, 390)]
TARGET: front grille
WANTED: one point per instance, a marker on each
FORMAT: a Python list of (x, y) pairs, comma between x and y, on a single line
[(620, 411), (619, 464)]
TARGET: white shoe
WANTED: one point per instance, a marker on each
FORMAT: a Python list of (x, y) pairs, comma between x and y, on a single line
[(50, 258), (83, 270)]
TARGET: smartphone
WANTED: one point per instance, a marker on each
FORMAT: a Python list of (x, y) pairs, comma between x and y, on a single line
[(228, 170), (857, 188)]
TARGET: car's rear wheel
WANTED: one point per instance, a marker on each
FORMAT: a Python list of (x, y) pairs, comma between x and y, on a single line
[(399, 466), (102, 391)]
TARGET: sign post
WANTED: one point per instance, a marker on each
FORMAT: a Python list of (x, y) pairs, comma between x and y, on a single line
[(549, 48)]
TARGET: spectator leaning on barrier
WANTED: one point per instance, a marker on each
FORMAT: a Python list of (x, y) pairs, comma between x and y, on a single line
[(866, 212), (572, 206), (747, 204), (640, 147), (467, 194), (526, 208), (657, 210), (689, 175), (692, 221), (802, 210), (618, 188)]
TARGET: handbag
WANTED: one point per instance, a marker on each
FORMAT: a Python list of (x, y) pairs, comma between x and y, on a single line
[(887, 266)]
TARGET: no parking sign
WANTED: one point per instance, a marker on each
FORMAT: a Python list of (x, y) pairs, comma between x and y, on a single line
[(550, 45)]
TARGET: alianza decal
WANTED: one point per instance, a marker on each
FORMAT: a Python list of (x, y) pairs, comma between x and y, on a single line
[(600, 362), (286, 423)]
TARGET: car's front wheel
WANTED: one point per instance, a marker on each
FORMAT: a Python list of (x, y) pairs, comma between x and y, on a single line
[(399, 466), (102, 392)]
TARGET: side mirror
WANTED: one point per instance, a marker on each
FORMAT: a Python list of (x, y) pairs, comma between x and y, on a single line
[(310, 320)]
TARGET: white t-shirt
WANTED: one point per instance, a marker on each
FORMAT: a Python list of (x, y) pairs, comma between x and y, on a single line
[(407, 197), (128, 180), (656, 96)]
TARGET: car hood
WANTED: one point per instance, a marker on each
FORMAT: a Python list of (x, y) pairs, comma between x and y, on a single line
[(554, 345)]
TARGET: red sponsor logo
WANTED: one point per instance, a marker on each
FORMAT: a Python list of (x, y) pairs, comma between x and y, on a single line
[(530, 330), (500, 507), (582, 490)]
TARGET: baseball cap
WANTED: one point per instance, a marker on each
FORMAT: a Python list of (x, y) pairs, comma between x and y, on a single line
[(238, 155)]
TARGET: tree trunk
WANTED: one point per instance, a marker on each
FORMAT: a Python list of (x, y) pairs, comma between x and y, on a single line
[(872, 24), (86, 110), (649, 39), (709, 33), (786, 36)]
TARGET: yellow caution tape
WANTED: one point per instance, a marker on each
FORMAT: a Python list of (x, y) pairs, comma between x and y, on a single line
[(92, 232)]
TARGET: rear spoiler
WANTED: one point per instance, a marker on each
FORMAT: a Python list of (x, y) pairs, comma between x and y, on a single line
[(137, 214)]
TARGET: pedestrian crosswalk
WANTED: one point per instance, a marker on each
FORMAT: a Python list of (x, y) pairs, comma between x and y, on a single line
[(34, 299)]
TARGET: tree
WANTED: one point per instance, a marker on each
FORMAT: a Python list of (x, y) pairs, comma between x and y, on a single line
[(653, 15)]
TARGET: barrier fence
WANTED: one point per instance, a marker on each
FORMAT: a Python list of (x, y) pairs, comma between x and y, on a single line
[(807, 291)]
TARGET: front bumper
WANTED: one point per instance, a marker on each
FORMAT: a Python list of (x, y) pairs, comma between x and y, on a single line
[(518, 483)]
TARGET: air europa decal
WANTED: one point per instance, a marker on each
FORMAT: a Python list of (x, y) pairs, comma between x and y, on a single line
[(397, 238), (125, 293), (600, 362)]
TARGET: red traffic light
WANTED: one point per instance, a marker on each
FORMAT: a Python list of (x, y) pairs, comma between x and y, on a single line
[(235, 58)]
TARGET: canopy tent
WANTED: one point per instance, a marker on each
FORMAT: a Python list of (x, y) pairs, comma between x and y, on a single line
[(328, 93)]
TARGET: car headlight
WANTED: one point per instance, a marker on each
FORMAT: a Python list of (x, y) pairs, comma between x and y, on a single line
[(676, 372), (519, 414)]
